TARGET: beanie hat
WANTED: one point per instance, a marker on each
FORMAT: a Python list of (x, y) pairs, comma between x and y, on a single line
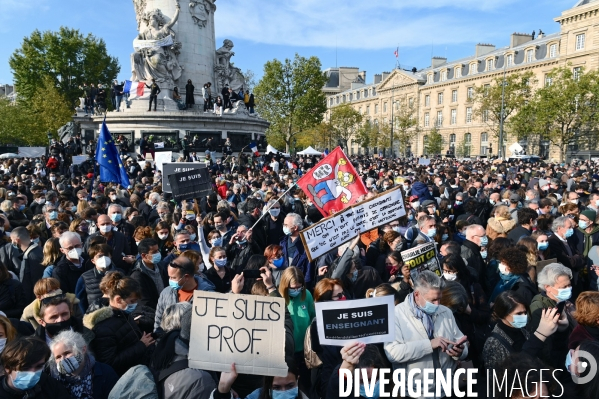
[(590, 214)]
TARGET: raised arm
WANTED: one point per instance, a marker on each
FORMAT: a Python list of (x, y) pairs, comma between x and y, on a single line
[(176, 17)]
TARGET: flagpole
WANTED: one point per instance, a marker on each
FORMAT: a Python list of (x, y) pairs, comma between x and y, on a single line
[(268, 209)]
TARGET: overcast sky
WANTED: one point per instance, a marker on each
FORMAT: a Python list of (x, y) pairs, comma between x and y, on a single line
[(355, 33)]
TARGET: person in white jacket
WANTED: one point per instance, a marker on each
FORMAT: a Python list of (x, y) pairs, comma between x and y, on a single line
[(426, 334)]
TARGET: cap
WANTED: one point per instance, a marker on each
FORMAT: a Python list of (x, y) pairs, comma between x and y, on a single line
[(590, 214), (413, 198), (543, 183), (515, 198)]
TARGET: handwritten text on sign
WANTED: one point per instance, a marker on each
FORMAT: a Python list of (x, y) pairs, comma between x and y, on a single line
[(341, 227), (247, 330)]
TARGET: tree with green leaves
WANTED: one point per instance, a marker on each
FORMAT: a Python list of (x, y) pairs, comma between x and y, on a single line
[(564, 111), (406, 125), (434, 142), (67, 57), (462, 150), (487, 99), (345, 122), (250, 80), (290, 97)]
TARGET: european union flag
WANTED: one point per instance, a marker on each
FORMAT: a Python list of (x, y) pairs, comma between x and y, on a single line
[(107, 156)]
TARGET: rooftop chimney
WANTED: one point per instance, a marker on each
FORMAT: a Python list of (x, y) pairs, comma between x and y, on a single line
[(483, 48), (438, 61), (519, 38), (385, 75), (378, 78)]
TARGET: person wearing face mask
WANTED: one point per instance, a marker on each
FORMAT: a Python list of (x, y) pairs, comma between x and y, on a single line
[(250, 218), (273, 387), (164, 238), (115, 240), (514, 276), (427, 230), (555, 286), (276, 262), (7, 334), (149, 273), (240, 248), (55, 315), (562, 247), (31, 268), (476, 239), (88, 286), (274, 222), (118, 341), (585, 237), (16, 215), (510, 335), (23, 361), (115, 212), (76, 369), (425, 331), (51, 215), (220, 274), (294, 252), (182, 282)]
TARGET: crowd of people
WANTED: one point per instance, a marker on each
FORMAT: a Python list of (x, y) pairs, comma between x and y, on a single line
[(97, 280)]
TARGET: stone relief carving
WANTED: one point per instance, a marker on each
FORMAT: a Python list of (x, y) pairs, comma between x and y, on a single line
[(226, 72), (156, 49), (140, 8), (200, 11)]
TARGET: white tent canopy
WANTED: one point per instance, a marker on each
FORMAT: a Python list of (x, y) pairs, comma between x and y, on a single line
[(272, 150), (309, 151)]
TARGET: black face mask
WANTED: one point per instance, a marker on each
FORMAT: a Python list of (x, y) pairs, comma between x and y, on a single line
[(54, 328)]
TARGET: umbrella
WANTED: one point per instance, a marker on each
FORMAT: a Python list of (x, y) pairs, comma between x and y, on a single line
[(9, 155)]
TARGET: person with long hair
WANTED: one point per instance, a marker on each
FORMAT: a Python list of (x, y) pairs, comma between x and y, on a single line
[(7, 334), (514, 276), (276, 262), (164, 238), (219, 272), (542, 241), (492, 272), (51, 256)]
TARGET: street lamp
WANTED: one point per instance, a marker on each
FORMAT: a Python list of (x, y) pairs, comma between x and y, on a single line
[(50, 137)]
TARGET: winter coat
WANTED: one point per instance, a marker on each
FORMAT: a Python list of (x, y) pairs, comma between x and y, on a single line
[(76, 325), (119, 245), (421, 190), (149, 291), (32, 270), (259, 233), (189, 94), (68, 274), (12, 298), (137, 383), (31, 313), (188, 383), (169, 297), (117, 342), (300, 260), (46, 388), (104, 380), (525, 287), (412, 348), (495, 352), (471, 254), (88, 287), (16, 218), (11, 258)]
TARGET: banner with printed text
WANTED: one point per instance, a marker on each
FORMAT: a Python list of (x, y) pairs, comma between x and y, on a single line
[(421, 258), (333, 184)]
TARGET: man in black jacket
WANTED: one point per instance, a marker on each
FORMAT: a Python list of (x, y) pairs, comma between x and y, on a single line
[(146, 271), (248, 219), (154, 91), (31, 255), (16, 217), (71, 265), (526, 221), (115, 240)]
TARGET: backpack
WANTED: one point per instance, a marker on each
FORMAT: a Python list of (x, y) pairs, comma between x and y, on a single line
[(162, 375)]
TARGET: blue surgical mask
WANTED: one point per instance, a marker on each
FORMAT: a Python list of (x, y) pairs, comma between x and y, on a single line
[(569, 232), (458, 202), (483, 254), (288, 394), (376, 393), (157, 257), (583, 224), (242, 242), (25, 380), (174, 285), (286, 230), (53, 215), (220, 262), (294, 292), (278, 262), (543, 246), (217, 242), (563, 294), (569, 363), (354, 276), (130, 308), (445, 237), (184, 247), (430, 308), (116, 217), (519, 321), (484, 241), (21, 208), (411, 216), (431, 232)]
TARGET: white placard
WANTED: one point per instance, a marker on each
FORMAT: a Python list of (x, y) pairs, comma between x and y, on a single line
[(163, 157), (32, 152)]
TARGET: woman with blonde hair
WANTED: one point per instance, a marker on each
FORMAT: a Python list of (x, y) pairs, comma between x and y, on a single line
[(51, 256), (81, 205), (532, 255), (383, 290), (501, 224), (301, 309)]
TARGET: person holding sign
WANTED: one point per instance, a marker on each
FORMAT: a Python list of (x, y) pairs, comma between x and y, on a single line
[(426, 333)]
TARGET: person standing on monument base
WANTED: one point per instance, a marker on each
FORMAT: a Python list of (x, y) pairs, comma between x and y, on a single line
[(154, 91), (189, 89), (226, 97), (206, 95)]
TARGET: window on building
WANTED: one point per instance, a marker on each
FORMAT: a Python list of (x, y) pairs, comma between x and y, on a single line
[(484, 137), (357, 95), (427, 119), (490, 64), (548, 80), (374, 91), (580, 41), (454, 116), (360, 110), (452, 140), (368, 109), (510, 60), (553, 51), (351, 96), (439, 98), (343, 98), (529, 55), (429, 78), (470, 93), (331, 101), (376, 108), (384, 107), (443, 76), (454, 96), (439, 118), (411, 101), (486, 115), (458, 72), (337, 100), (576, 72), (472, 69), (427, 101), (468, 114), (365, 93)]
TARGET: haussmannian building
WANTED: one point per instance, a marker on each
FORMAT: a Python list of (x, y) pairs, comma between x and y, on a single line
[(440, 92)]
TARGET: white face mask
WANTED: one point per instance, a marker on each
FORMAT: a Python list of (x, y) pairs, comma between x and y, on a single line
[(162, 236), (503, 269), (106, 228), (75, 253), (103, 262), (450, 276)]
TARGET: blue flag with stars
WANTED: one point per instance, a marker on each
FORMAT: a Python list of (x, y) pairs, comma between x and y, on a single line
[(107, 156)]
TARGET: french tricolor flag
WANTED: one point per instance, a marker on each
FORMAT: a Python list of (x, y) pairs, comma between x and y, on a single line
[(135, 89), (254, 148)]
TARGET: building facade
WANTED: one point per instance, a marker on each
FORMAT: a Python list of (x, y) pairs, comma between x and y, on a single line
[(440, 94)]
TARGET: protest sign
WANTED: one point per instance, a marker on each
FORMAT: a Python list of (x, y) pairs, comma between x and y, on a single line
[(79, 159), (159, 145), (163, 157), (421, 258), (190, 184), (369, 320), (341, 227), (424, 161), (32, 152), (542, 263), (170, 168), (247, 330)]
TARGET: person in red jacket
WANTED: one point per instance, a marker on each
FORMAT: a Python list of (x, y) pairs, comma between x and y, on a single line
[(53, 164)]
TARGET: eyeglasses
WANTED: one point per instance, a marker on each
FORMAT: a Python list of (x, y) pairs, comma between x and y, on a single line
[(73, 247)]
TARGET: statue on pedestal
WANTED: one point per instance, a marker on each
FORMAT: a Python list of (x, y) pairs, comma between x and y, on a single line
[(226, 72), (156, 50)]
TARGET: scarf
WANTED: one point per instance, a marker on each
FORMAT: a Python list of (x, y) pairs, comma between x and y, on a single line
[(79, 386), (425, 318), (588, 241), (503, 285)]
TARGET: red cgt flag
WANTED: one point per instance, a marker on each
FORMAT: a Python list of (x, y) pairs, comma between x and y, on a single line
[(333, 184)]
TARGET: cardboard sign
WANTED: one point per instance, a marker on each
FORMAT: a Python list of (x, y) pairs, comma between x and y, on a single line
[(421, 258), (170, 168), (341, 227), (247, 330), (369, 320), (163, 157), (542, 263), (191, 184)]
